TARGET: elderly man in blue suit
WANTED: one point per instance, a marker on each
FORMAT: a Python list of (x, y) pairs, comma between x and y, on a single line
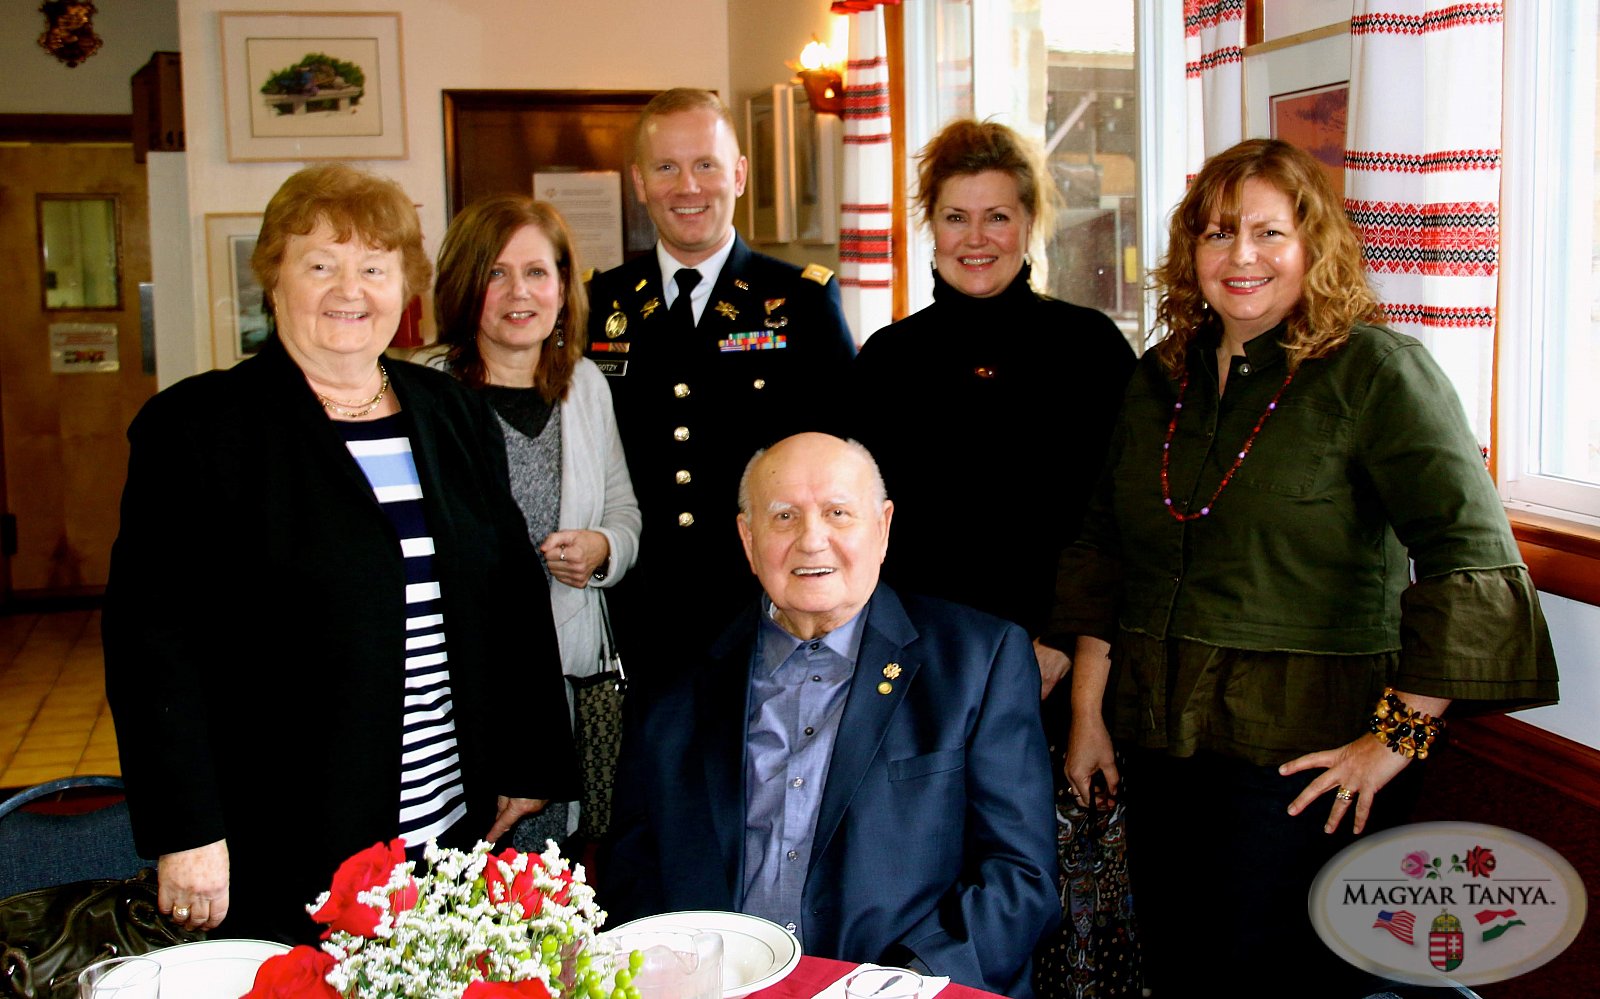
[(863, 767)]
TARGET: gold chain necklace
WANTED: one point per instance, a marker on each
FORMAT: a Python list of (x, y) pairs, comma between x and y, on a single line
[(356, 410)]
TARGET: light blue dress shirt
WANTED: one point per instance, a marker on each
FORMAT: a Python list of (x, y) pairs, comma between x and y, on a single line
[(797, 695)]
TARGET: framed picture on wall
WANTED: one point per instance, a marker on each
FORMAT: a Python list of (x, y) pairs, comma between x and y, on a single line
[(1297, 88), (312, 86), (769, 146), (239, 324)]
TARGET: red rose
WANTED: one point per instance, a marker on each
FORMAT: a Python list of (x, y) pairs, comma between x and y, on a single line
[(530, 989), (366, 871), (300, 974), (520, 888), (1480, 862)]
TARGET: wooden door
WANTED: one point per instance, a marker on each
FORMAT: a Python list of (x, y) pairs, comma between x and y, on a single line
[(63, 436)]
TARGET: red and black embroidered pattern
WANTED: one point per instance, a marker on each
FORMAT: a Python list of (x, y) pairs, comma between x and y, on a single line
[(1455, 16), (1447, 238)]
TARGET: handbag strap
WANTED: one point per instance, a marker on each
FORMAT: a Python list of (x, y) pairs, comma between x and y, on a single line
[(608, 638)]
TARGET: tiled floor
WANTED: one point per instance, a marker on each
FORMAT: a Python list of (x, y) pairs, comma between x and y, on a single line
[(53, 716)]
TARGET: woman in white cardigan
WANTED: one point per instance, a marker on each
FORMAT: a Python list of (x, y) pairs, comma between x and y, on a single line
[(511, 316)]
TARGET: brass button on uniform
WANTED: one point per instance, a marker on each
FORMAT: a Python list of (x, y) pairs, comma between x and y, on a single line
[(759, 383), (681, 434), (686, 519), (680, 390), (683, 477)]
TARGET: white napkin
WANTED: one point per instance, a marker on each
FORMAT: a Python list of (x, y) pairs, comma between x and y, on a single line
[(931, 986)]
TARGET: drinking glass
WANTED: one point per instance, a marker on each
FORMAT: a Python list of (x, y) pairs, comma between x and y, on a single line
[(883, 983), (121, 978)]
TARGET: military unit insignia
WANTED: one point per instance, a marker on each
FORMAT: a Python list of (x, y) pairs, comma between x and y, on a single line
[(648, 309), (727, 311), (754, 340), (773, 303), (741, 284), (640, 285), (892, 671), (775, 324), (616, 325)]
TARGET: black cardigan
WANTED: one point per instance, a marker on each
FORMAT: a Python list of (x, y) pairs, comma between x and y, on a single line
[(254, 630)]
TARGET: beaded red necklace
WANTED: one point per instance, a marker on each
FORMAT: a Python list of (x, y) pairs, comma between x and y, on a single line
[(1166, 451)]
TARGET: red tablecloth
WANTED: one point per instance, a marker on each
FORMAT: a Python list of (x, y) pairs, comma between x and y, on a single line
[(817, 973)]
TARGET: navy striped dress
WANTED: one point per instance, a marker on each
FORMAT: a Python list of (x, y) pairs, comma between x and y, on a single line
[(431, 793)]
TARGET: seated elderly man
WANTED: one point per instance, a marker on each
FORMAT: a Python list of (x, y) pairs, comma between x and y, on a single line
[(865, 768)]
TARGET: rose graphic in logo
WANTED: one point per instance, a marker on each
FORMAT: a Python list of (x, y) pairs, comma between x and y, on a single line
[(1480, 862), (1414, 864)]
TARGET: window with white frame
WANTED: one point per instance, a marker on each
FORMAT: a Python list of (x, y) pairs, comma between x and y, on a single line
[(1549, 381), (1068, 75)]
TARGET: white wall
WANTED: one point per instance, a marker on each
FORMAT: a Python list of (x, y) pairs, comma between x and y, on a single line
[(38, 83), (1575, 630), (446, 45)]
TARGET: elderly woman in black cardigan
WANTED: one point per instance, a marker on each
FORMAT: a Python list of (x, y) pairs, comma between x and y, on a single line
[(322, 590)]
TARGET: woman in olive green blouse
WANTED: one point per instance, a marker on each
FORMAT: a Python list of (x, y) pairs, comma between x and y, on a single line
[(1281, 459)]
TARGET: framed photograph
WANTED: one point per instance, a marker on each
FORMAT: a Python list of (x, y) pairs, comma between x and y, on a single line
[(239, 324), (816, 141), (312, 86), (1298, 89), (769, 145)]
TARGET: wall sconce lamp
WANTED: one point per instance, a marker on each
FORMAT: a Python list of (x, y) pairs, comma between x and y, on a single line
[(69, 35), (820, 71)]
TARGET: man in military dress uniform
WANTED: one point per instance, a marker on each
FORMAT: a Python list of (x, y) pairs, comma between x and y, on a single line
[(711, 351)]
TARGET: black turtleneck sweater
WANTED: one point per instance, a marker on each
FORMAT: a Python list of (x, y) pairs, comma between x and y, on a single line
[(989, 418)]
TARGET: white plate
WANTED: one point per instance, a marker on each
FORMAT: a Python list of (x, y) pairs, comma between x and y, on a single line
[(210, 969), (756, 952)]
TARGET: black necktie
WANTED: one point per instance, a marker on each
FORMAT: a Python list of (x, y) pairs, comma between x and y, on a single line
[(682, 311)]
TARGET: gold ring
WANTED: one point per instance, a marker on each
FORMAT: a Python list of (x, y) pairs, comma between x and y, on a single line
[(1344, 793), (180, 912)]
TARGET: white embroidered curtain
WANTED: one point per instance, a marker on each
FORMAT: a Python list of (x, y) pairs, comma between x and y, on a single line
[(1214, 67), (1422, 177), (866, 263)]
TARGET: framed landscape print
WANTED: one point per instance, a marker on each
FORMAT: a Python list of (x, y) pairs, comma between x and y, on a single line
[(313, 86), (239, 324)]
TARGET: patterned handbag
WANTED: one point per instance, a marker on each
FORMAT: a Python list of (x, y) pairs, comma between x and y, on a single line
[(597, 707), (1096, 950)]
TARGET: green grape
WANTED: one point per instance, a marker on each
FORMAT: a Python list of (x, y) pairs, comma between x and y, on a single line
[(636, 961), (619, 994), (623, 978), (633, 992), (549, 945), (583, 960), (556, 968)]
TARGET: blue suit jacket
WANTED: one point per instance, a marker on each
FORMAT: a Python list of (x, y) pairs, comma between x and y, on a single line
[(935, 833)]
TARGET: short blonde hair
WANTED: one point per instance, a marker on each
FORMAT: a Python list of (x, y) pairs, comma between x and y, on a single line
[(355, 205), (967, 146), (1335, 294), (677, 101)]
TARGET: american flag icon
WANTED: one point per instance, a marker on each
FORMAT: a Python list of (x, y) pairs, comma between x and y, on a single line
[(1399, 923)]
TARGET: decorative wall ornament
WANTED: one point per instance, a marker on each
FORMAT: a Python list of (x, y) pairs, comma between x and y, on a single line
[(69, 35)]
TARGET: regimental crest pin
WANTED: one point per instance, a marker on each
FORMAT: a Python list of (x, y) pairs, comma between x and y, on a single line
[(773, 303), (726, 311), (648, 309), (616, 325), (892, 671)]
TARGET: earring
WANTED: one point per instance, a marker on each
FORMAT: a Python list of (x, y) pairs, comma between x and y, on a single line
[(561, 330)]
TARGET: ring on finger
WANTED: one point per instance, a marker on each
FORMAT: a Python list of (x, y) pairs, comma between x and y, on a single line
[(1344, 793), (180, 912)]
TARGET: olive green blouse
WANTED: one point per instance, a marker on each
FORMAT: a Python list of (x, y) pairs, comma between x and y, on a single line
[(1272, 623)]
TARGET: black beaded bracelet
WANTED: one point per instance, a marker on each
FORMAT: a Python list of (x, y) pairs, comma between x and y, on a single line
[(1402, 728)]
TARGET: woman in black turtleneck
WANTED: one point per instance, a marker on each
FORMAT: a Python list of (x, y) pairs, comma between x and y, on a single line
[(990, 410)]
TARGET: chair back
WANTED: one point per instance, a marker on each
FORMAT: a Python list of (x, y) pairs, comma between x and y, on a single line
[(40, 849)]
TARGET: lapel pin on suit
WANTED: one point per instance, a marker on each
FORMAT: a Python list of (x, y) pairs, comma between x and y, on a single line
[(892, 671)]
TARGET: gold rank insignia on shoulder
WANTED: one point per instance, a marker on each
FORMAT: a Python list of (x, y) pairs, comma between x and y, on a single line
[(817, 273), (640, 285), (616, 325), (741, 284), (892, 671), (588, 274), (726, 311), (649, 308), (773, 303)]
